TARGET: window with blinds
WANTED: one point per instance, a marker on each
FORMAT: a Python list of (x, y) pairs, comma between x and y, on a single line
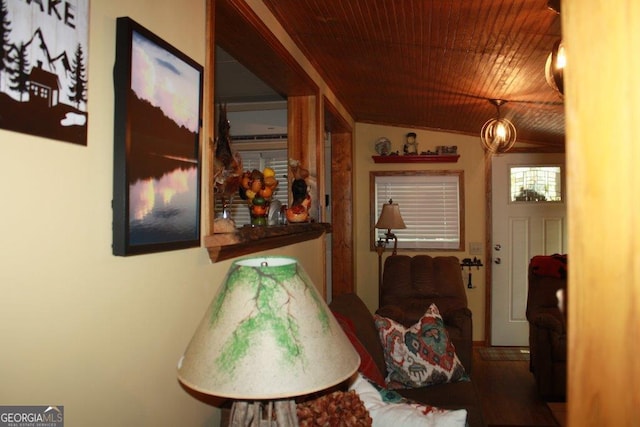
[(252, 159), (431, 204)]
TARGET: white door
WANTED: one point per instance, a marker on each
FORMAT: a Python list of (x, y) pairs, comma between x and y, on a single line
[(521, 230)]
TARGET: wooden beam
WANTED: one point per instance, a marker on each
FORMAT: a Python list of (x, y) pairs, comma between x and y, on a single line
[(343, 257), (343, 249), (301, 130), (209, 113), (602, 97)]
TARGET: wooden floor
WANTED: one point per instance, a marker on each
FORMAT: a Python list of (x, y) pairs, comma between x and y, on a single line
[(508, 393)]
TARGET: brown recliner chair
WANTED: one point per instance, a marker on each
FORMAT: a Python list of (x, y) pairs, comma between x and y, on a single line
[(411, 284), (548, 326)]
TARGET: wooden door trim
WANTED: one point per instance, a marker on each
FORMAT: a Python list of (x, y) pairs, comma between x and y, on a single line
[(342, 214)]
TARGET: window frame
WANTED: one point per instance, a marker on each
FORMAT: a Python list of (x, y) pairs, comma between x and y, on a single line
[(428, 174)]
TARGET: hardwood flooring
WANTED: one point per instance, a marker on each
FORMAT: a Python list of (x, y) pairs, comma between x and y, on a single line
[(508, 393)]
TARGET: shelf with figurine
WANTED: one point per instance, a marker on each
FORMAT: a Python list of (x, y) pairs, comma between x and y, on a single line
[(417, 158), (256, 187), (410, 153)]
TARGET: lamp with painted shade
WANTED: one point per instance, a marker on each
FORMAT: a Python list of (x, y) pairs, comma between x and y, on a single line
[(498, 135), (264, 341), (390, 218)]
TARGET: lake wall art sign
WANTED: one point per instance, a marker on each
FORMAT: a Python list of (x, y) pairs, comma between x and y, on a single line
[(44, 68)]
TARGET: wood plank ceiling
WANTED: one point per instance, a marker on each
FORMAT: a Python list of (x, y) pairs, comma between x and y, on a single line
[(434, 64)]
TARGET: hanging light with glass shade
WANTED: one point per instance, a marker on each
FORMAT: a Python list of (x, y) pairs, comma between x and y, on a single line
[(554, 68), (498, 135)]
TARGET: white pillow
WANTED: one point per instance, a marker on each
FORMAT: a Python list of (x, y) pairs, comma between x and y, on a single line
[(386, 414)]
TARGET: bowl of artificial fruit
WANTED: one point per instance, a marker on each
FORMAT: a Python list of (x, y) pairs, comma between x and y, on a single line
[(257, 188)]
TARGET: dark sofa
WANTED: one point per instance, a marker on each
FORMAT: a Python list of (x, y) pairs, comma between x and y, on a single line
[(458, 395), (548, 325)]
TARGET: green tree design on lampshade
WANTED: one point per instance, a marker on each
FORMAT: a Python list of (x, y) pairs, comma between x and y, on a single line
[(273, 289), (267, 334)]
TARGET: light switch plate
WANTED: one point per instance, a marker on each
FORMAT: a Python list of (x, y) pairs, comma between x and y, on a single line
[(475, 248)]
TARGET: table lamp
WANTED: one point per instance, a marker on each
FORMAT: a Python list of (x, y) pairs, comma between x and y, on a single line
[(267, 337), (389, 218)]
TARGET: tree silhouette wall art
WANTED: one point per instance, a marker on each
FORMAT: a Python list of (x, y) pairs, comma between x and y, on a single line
[(43, 68)]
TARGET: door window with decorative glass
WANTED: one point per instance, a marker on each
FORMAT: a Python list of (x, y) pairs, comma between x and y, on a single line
[(535, 183)]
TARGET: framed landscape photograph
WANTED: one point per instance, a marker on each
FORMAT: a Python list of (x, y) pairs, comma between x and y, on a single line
[(158, 115)]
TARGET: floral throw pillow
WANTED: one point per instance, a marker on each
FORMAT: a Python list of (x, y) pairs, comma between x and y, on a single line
[(420, 355)]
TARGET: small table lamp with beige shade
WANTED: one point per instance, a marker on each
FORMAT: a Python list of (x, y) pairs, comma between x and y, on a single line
[(389, 219)]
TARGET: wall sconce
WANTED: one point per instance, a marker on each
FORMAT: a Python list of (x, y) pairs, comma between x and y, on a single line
[(554, 68), (264, 340), (389, 218), (498, 135)]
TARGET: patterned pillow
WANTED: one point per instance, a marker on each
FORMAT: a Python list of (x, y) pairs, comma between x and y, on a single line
[(420, 355)]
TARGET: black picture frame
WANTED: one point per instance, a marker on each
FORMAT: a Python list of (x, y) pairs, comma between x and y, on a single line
[(157, 155)]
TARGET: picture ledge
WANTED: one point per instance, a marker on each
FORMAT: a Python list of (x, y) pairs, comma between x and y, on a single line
[(248, 240)]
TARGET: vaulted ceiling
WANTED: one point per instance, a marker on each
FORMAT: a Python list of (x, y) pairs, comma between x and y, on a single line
[(431, 64)]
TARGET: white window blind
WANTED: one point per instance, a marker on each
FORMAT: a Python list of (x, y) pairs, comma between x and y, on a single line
[(275, 159), (430, 205)]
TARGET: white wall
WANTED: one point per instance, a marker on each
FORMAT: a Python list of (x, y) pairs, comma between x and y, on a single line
[(79, 327)]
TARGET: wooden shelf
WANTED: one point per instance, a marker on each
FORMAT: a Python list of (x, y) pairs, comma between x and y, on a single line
[(247, 240), (418, 158)]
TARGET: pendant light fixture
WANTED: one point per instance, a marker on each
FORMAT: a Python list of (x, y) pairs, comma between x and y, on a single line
[(556, 61), (554, 68), (498, 135)]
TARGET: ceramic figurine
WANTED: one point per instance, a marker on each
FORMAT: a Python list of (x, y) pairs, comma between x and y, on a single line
[(411, 145)]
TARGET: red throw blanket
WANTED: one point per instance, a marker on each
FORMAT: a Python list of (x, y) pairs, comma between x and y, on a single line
[(549, 265)]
